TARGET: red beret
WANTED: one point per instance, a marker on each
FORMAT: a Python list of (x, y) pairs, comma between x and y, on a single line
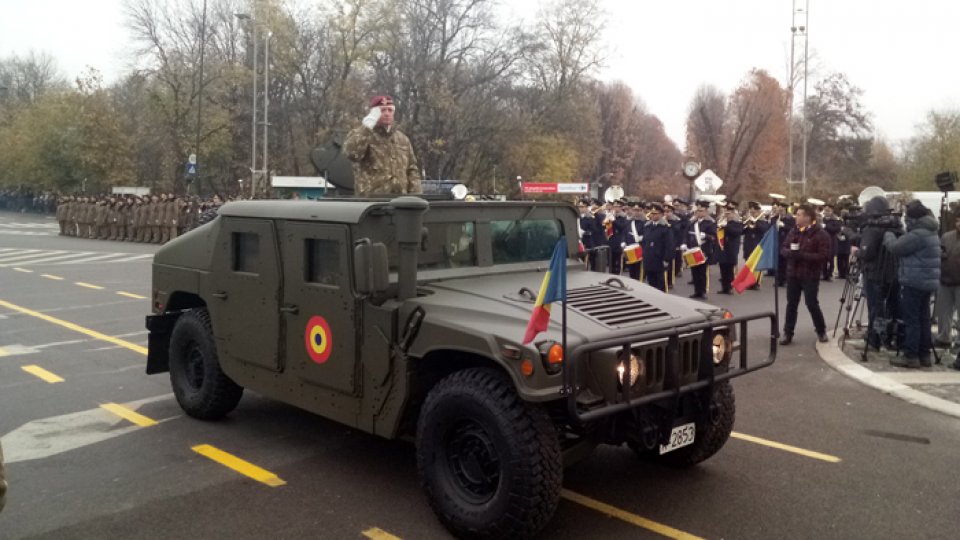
[(377, 101)]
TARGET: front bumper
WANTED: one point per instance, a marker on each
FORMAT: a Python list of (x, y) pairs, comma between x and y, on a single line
[(675, 380)]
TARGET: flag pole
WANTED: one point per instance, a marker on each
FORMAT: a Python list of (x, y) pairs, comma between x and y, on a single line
[(776, 286), (563, 311)]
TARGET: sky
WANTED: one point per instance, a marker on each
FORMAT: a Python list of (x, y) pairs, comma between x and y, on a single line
[(902, 54)]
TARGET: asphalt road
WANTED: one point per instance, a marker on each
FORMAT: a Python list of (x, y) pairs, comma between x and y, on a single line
[(857, 463)]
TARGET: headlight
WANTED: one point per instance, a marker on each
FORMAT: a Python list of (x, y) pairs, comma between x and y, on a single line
[(721, 349), (636, 369)]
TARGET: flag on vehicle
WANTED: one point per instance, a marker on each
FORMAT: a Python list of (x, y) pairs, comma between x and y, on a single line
[(552, 290), (764, 257)]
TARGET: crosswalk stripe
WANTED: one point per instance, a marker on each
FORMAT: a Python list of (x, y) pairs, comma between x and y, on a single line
[(44, 259), (24, 257), (134, 258), (98, 258)]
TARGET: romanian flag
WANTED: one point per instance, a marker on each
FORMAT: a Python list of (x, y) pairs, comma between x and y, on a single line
[(553, 289), (764, 257), (721, 237)]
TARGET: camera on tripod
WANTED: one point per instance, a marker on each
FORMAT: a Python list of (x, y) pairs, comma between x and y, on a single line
[(890, 220)]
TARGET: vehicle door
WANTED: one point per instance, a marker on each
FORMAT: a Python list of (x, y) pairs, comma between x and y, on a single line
[(319, 309), (245, 292)]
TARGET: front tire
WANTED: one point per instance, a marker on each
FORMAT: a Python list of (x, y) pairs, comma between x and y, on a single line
[(489, 462), (713, 430), (202, 389)]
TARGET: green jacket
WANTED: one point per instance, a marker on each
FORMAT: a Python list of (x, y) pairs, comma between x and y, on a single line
[(384, 162)]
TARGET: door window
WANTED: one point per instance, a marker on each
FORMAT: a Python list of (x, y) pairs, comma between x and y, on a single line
[(322, 261)]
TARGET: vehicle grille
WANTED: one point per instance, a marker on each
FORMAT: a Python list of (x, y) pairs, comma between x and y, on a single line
[(654, 358), (612, 307)]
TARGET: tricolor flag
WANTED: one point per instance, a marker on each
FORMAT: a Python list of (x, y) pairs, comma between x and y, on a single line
[(764, 257), (553, 289)]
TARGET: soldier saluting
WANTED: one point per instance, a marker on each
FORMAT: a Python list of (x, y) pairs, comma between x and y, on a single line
[(384, 158)]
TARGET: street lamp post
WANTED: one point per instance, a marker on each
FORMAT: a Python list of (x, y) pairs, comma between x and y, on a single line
[(266, 103), (253, 122)]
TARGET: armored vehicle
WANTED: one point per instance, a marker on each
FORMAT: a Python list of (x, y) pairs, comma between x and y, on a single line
[(405, 318)]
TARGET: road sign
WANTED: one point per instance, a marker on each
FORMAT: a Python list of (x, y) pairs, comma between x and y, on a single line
[(191, 169), (708, 182), (549, 187)]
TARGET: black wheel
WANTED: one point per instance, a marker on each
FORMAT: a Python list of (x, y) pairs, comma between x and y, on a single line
[(713, 430), (202, 389), (489, 462)]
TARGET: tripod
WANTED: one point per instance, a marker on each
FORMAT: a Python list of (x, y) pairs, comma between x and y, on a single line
[(852, 293)]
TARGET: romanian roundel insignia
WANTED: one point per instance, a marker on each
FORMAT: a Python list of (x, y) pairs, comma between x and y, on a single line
[(319, 339)]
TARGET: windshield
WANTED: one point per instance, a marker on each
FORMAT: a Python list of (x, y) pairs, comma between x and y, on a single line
[(522, 241)]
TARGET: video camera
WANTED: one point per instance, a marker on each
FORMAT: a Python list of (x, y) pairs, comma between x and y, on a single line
[(890, 220)]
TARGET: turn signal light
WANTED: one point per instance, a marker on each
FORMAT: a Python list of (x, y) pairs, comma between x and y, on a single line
[(727, 315), (551, 353), (526, 367)]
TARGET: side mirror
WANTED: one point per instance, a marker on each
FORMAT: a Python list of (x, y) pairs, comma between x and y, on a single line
[(371, 270)]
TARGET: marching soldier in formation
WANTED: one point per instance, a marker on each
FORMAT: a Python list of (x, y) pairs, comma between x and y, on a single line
[(729, 232), (754, 227), (682, 213)]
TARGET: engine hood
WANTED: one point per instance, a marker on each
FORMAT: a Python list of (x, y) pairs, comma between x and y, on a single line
[(597, 306)]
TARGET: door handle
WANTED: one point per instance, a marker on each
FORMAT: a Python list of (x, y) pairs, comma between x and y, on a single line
[(290, 309), (219, 294)]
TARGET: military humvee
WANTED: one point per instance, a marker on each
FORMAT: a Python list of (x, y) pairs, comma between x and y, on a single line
[(405, 317)]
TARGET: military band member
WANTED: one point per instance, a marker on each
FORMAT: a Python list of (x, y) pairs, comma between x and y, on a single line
[(730, 229), (784, 222), (657, 245), (616, 225), (591, 235), (754, 227), (635, 232), (682, 212), (703, 234)]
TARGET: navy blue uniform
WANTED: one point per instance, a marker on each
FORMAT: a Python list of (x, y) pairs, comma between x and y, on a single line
[(635, 233), (708, 229), (591, 235), (658, 252), (730, 253), (788, 223), (753, 231), (617, 239)]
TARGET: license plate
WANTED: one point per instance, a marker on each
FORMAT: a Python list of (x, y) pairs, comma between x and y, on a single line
[(680, 436)]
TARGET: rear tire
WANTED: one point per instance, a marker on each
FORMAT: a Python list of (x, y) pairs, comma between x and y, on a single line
[(713, 430), (489, 462), (202, 389)]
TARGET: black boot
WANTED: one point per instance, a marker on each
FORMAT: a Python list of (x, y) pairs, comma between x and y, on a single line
[(786, 339)]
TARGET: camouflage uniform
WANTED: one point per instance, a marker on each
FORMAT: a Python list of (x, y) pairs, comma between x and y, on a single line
[(62, 216), (384, 162), (113, 218)]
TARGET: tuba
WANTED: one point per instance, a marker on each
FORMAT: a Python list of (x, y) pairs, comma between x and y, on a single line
[(613, 193)]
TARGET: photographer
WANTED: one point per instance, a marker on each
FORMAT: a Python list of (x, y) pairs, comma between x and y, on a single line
[(879, 268), (948, 295), (918, 252)]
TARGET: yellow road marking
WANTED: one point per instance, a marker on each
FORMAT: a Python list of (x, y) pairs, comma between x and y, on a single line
[(3, 352), (243, 467), (75, 327), (51, 276), (633, 519), (786, 447), (23, 270), (131, 295), (129, 414), (88, 285), (43, 374), (375, 533)]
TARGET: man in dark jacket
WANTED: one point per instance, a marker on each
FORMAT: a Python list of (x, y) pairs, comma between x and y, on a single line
[(657, 244), (879, 270), (832, 224), (804, 252), (918, 252)]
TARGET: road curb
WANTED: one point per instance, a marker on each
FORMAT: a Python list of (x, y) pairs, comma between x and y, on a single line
[(831, 353)]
